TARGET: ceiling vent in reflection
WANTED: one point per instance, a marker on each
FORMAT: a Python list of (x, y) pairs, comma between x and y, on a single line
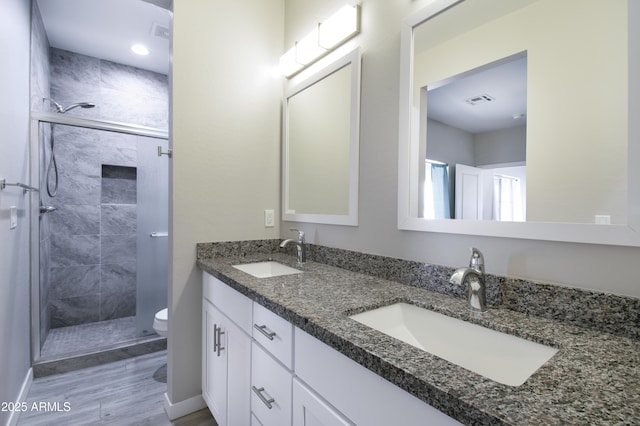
[(161, 31), (480, 99)]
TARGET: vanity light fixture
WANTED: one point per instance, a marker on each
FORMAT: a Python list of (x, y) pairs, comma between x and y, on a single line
[(325, 37), (140, 49)]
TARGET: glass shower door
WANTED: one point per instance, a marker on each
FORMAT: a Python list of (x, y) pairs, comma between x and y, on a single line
[(152, 232)]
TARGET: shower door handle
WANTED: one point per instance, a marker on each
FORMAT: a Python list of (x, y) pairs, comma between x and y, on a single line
[(159, 234)]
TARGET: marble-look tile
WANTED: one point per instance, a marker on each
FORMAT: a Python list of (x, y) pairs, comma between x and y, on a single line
[(69, 68), (131, 108), (118, 149), (70, 250), (118, 191), (117, 305), (74, 310), (76, 189), (77, 150), (118, 219), (135, 81), (118, 249), (73, 281), (118, 278), (75, 219), (75, 78)]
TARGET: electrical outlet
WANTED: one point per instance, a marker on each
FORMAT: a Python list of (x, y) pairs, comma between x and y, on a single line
[(603, 219), (269, 218)]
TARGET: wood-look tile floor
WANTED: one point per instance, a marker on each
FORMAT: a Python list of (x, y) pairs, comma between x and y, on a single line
[(122, 393)]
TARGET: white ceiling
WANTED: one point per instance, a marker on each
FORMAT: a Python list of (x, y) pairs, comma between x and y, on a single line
[(106, 29), (505, 82)]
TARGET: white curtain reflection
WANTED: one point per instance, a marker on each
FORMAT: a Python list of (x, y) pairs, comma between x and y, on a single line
[(507, 199)]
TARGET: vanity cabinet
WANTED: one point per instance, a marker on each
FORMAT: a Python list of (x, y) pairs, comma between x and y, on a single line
[(258, 369), (226, 352)]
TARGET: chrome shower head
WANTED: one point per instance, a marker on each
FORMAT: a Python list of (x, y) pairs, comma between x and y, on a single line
[(60, 109)]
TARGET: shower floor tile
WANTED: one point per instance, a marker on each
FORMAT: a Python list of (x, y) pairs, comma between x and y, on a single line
[(88, 337)]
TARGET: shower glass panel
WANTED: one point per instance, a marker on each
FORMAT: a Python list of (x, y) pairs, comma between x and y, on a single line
[(153, 236), (102, 276)]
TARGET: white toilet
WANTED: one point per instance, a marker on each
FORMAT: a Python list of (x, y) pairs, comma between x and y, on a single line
[(160, 322)]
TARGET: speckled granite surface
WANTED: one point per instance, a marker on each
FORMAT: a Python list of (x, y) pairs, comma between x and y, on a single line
[(593, 379)]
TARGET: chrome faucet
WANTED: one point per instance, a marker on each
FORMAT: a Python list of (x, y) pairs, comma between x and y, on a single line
[(300, 245), (474, 276)]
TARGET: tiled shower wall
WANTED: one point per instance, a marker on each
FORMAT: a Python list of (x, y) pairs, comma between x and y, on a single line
[(89, 243)]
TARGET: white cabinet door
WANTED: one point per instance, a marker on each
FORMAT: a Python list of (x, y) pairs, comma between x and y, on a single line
[(311, 410), (226, 368), (270, 389), (214, 363)]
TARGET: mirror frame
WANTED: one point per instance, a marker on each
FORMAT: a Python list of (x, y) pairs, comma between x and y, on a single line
[(410, 127), (352, 58)]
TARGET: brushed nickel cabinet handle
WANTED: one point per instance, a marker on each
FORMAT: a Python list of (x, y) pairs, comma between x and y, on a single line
[(265, 331), (217, 344), (267, 402)]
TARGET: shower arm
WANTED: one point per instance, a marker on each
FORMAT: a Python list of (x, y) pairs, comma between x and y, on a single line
[(4, 184)]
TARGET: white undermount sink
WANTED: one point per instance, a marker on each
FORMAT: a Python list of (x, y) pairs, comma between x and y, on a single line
[(501, 357), (267, 269)]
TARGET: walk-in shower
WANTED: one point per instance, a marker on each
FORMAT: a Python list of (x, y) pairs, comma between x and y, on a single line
[(98, 276), (102, 274)]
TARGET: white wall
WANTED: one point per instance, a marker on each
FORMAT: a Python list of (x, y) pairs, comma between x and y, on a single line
[(15, 357), (606, 268), (501, 146), (225, 135)]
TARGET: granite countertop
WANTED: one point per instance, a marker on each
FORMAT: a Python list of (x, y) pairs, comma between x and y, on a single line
[(594, 378)]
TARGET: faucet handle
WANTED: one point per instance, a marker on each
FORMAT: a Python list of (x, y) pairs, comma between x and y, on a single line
[(477, 260), (300, 234)]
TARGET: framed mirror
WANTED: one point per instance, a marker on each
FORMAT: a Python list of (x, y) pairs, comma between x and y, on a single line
[(580, 140), (321, 145)]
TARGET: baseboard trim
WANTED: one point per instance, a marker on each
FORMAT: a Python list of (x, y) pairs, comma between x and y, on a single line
[(182, 408), (22, 397)]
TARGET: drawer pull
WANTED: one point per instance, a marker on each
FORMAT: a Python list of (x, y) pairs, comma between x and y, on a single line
[(267, 402), (265, 331)]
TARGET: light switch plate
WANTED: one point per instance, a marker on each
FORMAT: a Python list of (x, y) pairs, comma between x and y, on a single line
[(13, 215)]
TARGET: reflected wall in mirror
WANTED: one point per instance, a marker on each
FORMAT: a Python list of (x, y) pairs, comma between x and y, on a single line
[(320, 155), (580, 56)]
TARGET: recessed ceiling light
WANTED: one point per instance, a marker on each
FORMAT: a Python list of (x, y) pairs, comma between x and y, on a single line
[(140, 49)]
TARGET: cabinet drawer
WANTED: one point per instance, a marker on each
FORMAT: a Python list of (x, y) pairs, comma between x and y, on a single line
[(270, 389), (309, 409), (233, 304), (274, 334)]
